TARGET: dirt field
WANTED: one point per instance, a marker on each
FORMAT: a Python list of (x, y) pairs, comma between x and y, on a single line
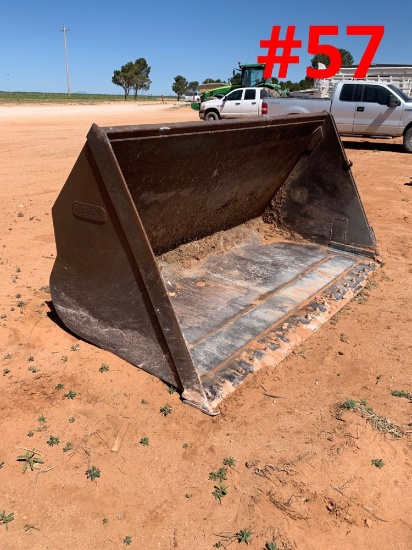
[(306, 472)]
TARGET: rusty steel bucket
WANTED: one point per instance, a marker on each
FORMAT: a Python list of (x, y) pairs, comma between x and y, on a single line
[(200, 252)]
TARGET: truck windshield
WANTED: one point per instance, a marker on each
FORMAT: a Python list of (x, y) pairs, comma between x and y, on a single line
[(400, 93)]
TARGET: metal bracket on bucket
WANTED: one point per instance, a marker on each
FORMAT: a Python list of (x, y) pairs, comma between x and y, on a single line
[(200, 252)]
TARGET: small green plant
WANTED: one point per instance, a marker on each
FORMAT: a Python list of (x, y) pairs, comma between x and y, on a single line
[(229, 461), (6, 371), (30, 433), (71, 419), (92, 473), (220, 475), (67, 447), (143, 402), (104, 367), (219, 492), (32, 368), (64, 358), (244, 535), (349, 404), (5, 518), (41, 419), (70, 394), (166, 409), (53, 441), (127, 540), (8, 356), (271, 546), (45, 288), (59, 387), (75, 347), (4, 317), (185, 445), (1, 465), (18, 296), (20, 303), (401, 393), (171, 390), (377, 462), (105, 520), (30, 358), (30, 459), (144, 441)]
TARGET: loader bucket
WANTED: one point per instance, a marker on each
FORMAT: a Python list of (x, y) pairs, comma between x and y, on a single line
[(200, 252)]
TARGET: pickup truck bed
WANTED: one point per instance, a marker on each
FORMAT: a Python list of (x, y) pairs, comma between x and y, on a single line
[(362, 108)]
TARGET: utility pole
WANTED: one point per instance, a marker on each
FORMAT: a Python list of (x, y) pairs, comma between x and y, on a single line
[(65, 31)]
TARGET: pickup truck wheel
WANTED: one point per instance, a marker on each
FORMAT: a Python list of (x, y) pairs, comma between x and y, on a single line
[(211, 115), (407, 140)]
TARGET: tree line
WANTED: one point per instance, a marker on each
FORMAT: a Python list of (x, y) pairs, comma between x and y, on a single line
[(134, 76)]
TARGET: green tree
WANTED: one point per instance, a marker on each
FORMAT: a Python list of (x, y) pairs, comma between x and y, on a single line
[(346, 56), (125, 77), (209, 81), (141, 80), (180, 86), (236, 79), (193, 86)]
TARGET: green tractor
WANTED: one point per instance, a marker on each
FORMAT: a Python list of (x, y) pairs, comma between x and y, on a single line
[(250, 75)]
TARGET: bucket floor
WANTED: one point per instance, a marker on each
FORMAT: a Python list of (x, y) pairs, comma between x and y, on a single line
[(226, 301)]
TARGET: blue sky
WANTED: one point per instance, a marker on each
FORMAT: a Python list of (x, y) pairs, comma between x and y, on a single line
[(195, 39)]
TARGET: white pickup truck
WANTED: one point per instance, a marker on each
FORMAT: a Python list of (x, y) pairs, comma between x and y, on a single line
[(239, 103), (361, 108)]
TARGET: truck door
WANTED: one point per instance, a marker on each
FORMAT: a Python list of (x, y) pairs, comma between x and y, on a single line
[(344, 107), (250, 103), (373, 116), (232, 104)]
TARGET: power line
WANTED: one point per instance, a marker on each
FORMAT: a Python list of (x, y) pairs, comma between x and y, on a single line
[(65, 31)]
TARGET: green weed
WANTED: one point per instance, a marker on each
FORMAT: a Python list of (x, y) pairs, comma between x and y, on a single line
[(30, 459), (67, 447), (401, 393), (219, 492), (229, 461), (349, 404), (92, 473), (244, 535), (220, 475), (5, 518), (53, 441), (166, 409), (378, 462), (104, 367), (144, 441), (70, 394)]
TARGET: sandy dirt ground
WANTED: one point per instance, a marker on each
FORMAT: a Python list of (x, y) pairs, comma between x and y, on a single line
[(307, 473)]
